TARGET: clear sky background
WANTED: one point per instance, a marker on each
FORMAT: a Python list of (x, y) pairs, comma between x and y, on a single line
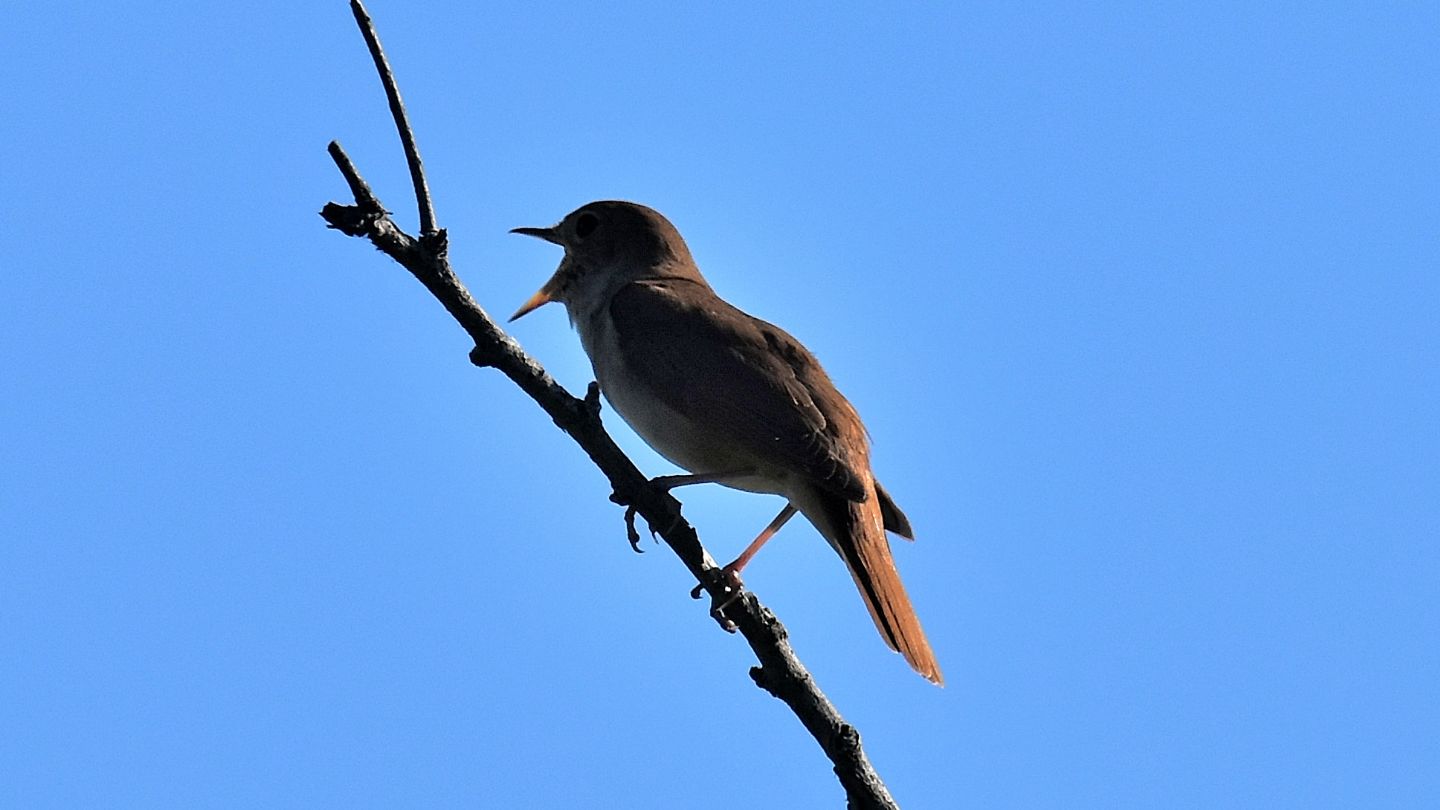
[(1139, 302)]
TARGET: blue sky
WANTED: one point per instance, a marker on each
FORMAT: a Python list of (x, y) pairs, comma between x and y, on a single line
[(1139, 303)]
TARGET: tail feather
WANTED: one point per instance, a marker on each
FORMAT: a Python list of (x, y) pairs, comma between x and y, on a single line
[(857, 531)]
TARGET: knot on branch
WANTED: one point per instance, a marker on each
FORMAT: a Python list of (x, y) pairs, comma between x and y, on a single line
[(485, 355), (436, 242), (592, 400), (761, 676), (580, 415), (352, 220)]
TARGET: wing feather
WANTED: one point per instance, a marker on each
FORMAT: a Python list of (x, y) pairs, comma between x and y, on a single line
[(753, 382)]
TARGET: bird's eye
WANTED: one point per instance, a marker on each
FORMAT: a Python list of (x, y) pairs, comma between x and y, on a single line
[(586, 225)]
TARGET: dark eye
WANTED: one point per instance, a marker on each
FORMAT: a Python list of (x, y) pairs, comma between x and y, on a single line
[(586, 225)]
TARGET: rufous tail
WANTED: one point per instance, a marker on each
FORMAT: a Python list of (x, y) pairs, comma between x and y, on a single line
[(857, 532)]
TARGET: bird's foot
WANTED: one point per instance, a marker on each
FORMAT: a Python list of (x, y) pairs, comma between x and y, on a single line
[(630, 533), (728, 589), (658, 488)]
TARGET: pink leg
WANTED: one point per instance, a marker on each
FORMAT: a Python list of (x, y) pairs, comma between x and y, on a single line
[(730, 574), (733, 569)]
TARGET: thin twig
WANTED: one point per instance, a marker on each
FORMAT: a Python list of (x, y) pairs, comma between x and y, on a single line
[(402, 120), (780, 671), (361, 189)]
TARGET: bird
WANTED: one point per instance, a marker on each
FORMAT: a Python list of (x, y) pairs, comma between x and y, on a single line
[(730, 398)]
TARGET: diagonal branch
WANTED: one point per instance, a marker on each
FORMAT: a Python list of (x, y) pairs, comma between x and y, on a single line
[(780, 671)]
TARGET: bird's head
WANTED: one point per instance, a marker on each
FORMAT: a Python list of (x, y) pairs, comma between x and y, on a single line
[(609, 244)]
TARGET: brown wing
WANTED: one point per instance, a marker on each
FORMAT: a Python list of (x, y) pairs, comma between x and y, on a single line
[(775, 401)]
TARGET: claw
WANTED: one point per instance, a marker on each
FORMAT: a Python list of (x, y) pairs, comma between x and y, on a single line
[(630, 533), (731, 589), (724, 621)]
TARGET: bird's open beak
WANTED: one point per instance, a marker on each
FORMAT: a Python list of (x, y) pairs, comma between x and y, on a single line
[(548, 234), (546, 294)]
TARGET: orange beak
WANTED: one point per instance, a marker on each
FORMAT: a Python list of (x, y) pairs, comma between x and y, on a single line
[(546, 293)]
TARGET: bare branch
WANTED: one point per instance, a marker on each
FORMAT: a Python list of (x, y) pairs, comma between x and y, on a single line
[(780, 671), (402, 120), (358, 187)]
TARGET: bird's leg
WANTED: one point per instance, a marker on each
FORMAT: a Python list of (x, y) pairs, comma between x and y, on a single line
[(730, 574), (665, 483), (669, 482), (732, 571)]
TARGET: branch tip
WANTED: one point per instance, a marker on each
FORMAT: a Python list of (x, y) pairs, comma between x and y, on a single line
[(402, 119)]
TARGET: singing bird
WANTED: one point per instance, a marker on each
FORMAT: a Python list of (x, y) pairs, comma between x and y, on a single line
[(731, 398)]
